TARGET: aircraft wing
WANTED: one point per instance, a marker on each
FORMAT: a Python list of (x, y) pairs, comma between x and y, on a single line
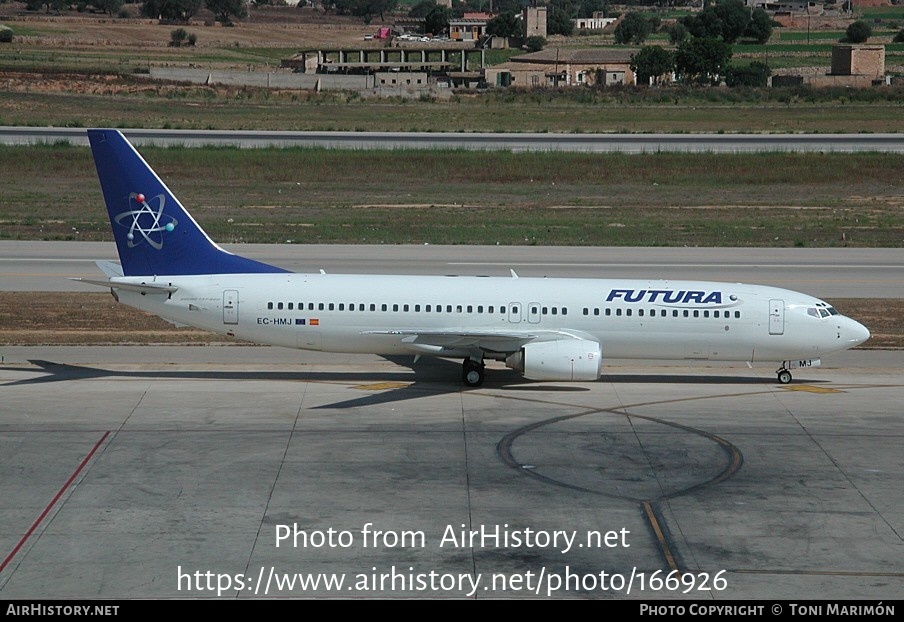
[(487, 340)]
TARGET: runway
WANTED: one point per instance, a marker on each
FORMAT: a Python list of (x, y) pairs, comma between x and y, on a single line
[(170, 472), (496, 141)]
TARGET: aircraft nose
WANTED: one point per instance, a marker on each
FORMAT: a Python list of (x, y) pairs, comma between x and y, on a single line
[(857, 332)]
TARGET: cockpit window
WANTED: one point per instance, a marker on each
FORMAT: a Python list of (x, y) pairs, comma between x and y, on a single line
[(813, 311), (824, 310)]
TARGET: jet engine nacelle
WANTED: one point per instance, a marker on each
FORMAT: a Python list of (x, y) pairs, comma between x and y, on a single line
[(567, 359)]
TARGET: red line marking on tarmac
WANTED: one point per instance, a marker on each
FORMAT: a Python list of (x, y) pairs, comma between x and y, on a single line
[(53, 501)]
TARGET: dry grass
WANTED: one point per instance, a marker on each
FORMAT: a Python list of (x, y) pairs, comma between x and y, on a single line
[(76, 318)]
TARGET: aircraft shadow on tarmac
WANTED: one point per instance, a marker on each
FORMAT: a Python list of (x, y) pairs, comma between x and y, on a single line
[(430, 377)]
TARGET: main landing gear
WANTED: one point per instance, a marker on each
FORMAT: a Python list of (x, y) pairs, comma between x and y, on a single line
[(472, 373), (784, 376)]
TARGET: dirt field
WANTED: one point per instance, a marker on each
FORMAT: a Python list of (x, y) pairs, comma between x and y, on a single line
[(266, 27), (45, 318)]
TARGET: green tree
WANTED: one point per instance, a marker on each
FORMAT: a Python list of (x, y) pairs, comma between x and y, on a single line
[(49, 5), (504, 25), (651, 63), (756, 74), (222, 9), (377, 7), (570, 7), (760, 27), (421, 8), (110, 7), (535, 43), (727, 19), (899, 38), (588, 7), (499, 6), (734, 17), (678, 33), (175, 10), (178, 37), (365, 9), (702, 60), (633, 28), (437, 20), (705, 24), (558, 22), (858, 32)]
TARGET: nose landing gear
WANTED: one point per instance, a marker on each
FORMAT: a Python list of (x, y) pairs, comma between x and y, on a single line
[(784, 376)]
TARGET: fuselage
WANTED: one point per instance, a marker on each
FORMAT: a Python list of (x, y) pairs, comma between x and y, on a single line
[(649, 319)]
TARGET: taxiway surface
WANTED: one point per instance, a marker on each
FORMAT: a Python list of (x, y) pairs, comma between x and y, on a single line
[(169, 472)]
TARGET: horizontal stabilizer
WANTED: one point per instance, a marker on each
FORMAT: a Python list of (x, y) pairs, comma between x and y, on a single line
[(143, 288), (110, 268)]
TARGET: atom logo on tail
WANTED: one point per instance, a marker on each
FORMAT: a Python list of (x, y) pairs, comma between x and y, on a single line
[(151, 231)]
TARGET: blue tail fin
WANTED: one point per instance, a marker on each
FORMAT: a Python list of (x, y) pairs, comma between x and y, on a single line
[(154, 234)]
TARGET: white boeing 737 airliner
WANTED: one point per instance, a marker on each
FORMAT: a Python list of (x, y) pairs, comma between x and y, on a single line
[(547, 329)]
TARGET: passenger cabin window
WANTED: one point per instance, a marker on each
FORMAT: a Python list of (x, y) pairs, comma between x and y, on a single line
[(269, 305)]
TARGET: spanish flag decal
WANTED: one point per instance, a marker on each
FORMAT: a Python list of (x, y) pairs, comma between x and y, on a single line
[(314, 322)]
